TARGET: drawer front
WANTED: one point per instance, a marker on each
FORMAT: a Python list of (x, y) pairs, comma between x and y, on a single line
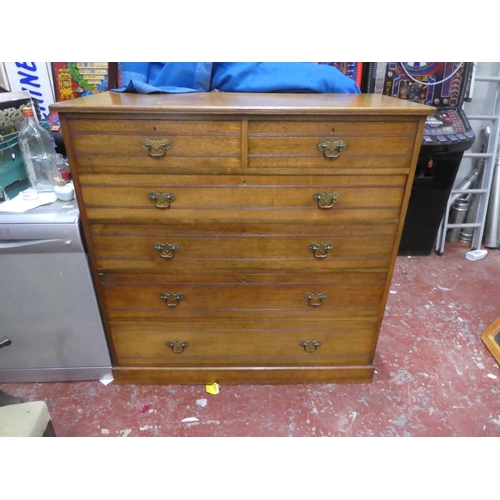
[(196, 296), (298, 248), (153, 145), (322, 129), (156, 199), (157, 344), (297, 144)]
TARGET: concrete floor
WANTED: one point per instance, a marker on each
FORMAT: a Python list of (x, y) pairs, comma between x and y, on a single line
[(434, 376)]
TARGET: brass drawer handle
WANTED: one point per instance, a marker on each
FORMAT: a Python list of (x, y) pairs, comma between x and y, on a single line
[(177, 346), (172, 299), (315, 298), (332, 149), (310, 345), (162, 200), (156, 147), (167, 250), (320, 250), (326, 200)]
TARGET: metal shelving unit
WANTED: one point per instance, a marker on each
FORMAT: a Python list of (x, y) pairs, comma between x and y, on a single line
[(488, 157)]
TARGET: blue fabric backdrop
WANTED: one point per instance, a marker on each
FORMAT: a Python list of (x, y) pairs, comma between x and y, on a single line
[(180, 77)]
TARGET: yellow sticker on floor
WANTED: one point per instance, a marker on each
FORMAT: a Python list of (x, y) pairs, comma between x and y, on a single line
[(213, 388)]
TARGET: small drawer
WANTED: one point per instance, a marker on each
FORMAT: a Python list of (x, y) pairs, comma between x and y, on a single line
[(138, 146), (242, 343), (331, 145)]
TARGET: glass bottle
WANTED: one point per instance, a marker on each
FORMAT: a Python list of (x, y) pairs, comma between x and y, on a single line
[(38, 154)]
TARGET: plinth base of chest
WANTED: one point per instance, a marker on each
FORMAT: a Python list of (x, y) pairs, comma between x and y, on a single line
[(243, 375)]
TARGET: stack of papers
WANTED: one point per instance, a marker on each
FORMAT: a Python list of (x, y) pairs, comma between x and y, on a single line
[(19, 204)]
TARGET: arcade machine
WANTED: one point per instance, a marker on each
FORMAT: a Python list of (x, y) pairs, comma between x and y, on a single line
[(353, 70), (447, 136)]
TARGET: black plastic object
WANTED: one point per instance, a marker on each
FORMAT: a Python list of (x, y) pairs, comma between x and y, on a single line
[(447, 136)]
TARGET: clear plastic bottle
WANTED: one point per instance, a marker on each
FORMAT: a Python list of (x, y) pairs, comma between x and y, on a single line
[(38, 154)]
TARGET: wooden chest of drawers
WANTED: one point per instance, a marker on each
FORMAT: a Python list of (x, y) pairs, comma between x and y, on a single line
[(242, 238)]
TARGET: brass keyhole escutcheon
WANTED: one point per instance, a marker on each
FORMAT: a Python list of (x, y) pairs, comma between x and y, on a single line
[(161, 199), (177, 346), (331, 148), (167, 250), (315, 299), (156, 147), (320, 250), (326, 200), (172, 299), (310, 345)]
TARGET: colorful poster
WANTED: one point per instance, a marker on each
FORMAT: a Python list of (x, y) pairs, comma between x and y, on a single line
[(77, 79)]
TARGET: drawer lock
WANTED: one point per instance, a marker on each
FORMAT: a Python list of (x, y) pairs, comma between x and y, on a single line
[(332, 149), (315, 298), (156, 147), (320, 250), (172, 299), (326, 200), (177, 346), (310, 345)]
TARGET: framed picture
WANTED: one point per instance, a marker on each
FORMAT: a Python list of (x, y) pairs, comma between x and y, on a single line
[(491, 338)]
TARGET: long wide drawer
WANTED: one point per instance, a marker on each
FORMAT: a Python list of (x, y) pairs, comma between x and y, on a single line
[(240, 344), (155, 199), (298, 248), (207, 296)]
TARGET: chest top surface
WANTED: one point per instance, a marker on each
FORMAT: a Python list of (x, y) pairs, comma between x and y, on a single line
[(243, 104)]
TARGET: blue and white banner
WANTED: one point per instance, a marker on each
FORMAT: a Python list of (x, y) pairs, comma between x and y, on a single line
[(33, 77)]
